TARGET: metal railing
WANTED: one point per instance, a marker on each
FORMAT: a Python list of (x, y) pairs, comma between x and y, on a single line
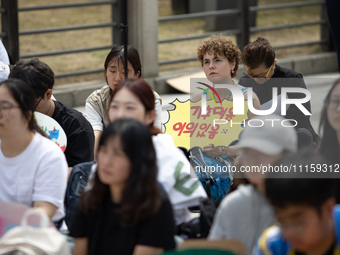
[(10, 33), (244, 30)]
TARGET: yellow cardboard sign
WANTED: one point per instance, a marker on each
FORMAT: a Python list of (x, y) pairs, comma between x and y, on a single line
[(189, 128)]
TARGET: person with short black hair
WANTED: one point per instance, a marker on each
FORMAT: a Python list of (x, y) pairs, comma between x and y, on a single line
[(79, 133), (262, 74), (126, 211), (305, 209)]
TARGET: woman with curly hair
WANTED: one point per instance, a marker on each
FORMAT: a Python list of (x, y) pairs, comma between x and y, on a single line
[(220, 59)]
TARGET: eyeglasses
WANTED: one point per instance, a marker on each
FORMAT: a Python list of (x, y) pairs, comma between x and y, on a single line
[(252, 76), (6, 107), (38, 102), (333, 104)]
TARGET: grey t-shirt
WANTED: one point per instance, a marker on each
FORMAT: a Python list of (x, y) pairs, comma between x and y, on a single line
[(243, 215)]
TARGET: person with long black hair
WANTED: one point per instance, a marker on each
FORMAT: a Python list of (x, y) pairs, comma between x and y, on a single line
[(126, 211)]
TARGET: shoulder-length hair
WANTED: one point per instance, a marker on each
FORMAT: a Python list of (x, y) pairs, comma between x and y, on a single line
[(141, 90), (117, 53), (141, 195), (24, 96), (329, 146)]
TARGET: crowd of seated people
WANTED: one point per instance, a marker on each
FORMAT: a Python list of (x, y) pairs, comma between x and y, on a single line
[(141, 189)]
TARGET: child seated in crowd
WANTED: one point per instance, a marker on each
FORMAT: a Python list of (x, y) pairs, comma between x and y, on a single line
[(309, 221)]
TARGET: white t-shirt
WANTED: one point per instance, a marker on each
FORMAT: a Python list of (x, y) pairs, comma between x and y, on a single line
[(96, 120), (177, 177), (39, 173), (4, 71), (3, 54)]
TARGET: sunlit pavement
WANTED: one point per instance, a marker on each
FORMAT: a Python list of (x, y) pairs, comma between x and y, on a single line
[(318, 85)]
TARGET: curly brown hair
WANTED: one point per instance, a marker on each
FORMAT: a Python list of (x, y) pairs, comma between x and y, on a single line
[(258, 52), (224, 47)]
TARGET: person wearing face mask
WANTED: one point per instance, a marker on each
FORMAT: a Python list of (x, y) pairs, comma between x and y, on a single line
[(97, 103), (262, 74)]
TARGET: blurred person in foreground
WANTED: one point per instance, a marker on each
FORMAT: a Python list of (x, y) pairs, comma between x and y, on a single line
[(33, 169), (308, 219), (245, 213)]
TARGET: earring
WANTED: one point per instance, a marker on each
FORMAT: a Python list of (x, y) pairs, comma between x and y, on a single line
[(232, 71)]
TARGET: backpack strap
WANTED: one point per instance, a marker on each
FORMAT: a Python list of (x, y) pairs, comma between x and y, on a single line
[(244, 90), (207, 183)]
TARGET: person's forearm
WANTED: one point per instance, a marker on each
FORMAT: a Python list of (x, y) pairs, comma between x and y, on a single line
[(49, 208), (97, 134), (232, 151)]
